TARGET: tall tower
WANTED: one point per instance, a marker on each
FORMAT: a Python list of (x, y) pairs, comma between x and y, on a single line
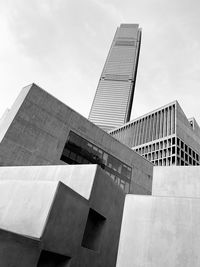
[(112, 103)]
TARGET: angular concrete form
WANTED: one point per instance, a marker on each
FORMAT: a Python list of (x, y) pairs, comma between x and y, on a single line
[(41, 130), (160, 231), (43, 222), (78, 178), (163, 229)]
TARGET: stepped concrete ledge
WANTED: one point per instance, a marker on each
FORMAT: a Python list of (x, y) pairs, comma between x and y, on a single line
[(25, 206), (27, 194), (79, 178)]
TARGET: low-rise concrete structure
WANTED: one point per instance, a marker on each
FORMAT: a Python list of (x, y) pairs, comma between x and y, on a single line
[(43, 222), (163, 229), (57, 209), (41, 130)]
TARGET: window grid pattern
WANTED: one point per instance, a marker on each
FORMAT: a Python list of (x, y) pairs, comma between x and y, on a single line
[(78, 150), (171, 151), (161, 153), (186, 155)]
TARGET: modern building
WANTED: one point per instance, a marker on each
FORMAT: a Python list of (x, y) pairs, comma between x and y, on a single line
[(164, 136), (163, 229), (59, 210), (59, 216), (41, 130), (114, 95)]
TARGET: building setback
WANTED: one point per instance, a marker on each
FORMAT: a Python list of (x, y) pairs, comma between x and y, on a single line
[(114, 95), (164, 136)]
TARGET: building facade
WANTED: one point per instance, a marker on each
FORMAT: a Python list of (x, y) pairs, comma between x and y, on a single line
[(41, 130), (114, 95), (164, 136)]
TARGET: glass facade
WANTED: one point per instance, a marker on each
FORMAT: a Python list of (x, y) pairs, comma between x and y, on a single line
[(78, 150)]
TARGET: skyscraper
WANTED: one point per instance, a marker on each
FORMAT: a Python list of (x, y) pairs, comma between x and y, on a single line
[(114, 95)]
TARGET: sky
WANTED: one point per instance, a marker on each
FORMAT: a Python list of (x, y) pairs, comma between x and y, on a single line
[(62, 45)]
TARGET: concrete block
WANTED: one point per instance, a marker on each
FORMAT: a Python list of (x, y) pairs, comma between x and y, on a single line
[(159, 231), (177, 181)]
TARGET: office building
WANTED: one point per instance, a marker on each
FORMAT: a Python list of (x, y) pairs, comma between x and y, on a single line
[(114, 95), (164, 136)]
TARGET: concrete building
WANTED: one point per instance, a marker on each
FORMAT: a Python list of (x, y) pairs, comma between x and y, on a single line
[(114, 95), (59, 216), (41, 130), (164, 136), (163, 229), (57, 209)]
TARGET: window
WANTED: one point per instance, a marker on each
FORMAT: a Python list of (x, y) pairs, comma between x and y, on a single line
[(77, 150), (51, 259), (93, 230)]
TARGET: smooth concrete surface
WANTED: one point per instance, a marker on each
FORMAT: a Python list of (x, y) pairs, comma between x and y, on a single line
[(160, 232), (18, 251), (24, 206), (10, 114), (177, 181), (78, 177)]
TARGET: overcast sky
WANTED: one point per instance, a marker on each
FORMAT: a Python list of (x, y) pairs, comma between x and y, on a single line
[(61, 45)]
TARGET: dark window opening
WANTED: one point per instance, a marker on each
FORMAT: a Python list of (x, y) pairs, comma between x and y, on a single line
[(77, 150), (173, 141), (50, 259), (93, 230)]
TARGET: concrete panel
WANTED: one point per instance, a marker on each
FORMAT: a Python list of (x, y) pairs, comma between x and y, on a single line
[(183, 181), (159, 231), (10, 115), (66, 223), (24, 206), (18, 251), (78, 177), (108, 200)]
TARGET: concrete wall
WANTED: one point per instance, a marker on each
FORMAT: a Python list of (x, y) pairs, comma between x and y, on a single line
[(160, 231), (42, 208), (183, 181), (18, 251), (185, 131), (39, 128)]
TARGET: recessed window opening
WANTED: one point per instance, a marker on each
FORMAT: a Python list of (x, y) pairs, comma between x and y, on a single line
[(78, 150), (50, 259), (94, 230)]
